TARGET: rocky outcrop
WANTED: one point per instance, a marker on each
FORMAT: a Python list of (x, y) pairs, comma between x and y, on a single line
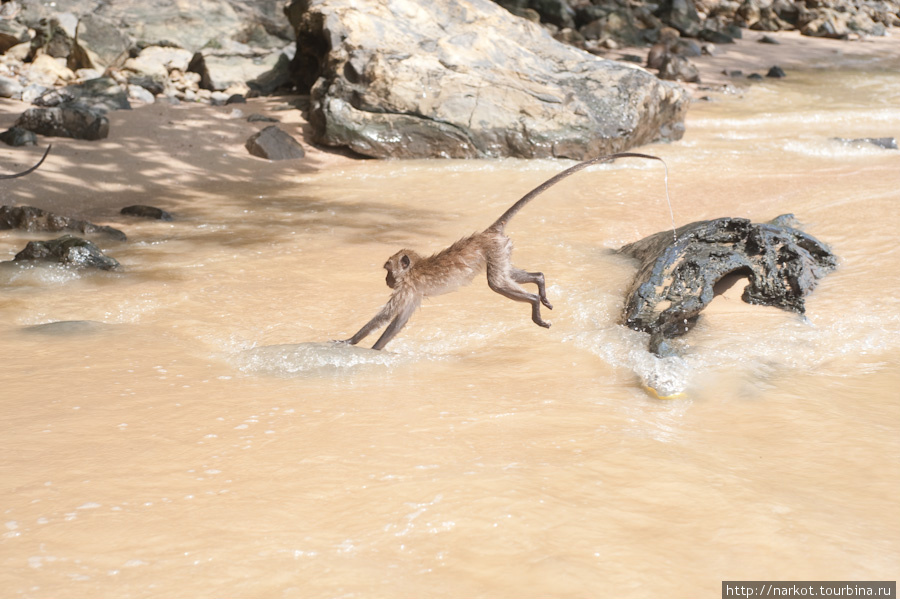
[(68, 251), (466, 79), (31, 219), (676, 279), (596, 24)]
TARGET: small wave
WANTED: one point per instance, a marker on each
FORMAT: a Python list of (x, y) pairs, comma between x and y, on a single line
[(39, 275), (834, 148), (623, 348), (323, 359)]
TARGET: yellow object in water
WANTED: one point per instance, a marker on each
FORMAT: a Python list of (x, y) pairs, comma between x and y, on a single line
[(653, 392)]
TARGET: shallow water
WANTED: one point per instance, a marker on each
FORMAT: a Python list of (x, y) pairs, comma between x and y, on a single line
[(187, 431)]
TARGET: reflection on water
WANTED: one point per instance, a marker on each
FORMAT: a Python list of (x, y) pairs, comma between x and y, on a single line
[(186, 424)]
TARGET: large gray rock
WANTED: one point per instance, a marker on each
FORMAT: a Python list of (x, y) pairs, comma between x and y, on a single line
[(465, 79), (220, 69), (99, 44)]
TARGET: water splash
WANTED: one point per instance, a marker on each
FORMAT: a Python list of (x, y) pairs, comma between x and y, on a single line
[(322, 359)]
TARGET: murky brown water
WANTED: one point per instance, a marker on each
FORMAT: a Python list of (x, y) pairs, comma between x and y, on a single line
[(196, 439)]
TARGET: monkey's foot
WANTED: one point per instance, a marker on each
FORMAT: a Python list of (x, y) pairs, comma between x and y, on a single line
[(546, 303), (541, 323)]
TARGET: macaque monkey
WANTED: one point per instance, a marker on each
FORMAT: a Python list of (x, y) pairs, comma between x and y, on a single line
[(668, 39), (413, 277), (32, 169)]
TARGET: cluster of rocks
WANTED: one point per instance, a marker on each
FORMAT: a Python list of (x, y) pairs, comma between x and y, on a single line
[(363, 64), (444, 78), (681, 29), (76, 61), (69, 250), (596, 25), (182, 51)]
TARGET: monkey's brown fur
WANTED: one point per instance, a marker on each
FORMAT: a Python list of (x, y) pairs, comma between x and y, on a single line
[(32, 169), (413, 277)]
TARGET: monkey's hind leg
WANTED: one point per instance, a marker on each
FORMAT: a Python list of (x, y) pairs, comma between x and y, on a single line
[(520, 276), (505, 285)]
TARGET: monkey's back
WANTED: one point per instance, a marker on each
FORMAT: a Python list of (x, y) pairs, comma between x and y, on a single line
[(453, 267)]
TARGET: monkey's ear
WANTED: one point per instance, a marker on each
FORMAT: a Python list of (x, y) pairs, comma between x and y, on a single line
[(404, 261)]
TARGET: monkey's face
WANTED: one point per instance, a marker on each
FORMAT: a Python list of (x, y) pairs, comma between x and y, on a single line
[(397, 266)]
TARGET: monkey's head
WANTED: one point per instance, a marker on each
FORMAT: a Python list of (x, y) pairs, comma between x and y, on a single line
[(398, 265), (668, 36)]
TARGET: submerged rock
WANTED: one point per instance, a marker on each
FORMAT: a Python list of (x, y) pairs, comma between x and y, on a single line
[(29, 218), (150, 212), (886, 143), (66, 328), (465, 79), (676, 280), (69, 251)]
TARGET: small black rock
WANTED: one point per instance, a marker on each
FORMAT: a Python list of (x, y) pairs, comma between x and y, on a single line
[(146, 212), (17, 136), (776, 72), (261, 118), (274, 144), (715, 37)]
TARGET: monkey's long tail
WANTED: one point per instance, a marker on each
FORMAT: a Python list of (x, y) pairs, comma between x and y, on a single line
[(507, 216), (32, 169)]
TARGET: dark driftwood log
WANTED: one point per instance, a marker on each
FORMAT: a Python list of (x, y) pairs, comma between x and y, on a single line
[(676, 280)]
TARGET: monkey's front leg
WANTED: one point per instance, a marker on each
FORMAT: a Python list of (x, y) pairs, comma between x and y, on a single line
[(398, 323), (376, 323)]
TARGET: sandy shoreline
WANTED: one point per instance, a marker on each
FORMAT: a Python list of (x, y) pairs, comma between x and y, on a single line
[(168, 156), (793, 51)]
